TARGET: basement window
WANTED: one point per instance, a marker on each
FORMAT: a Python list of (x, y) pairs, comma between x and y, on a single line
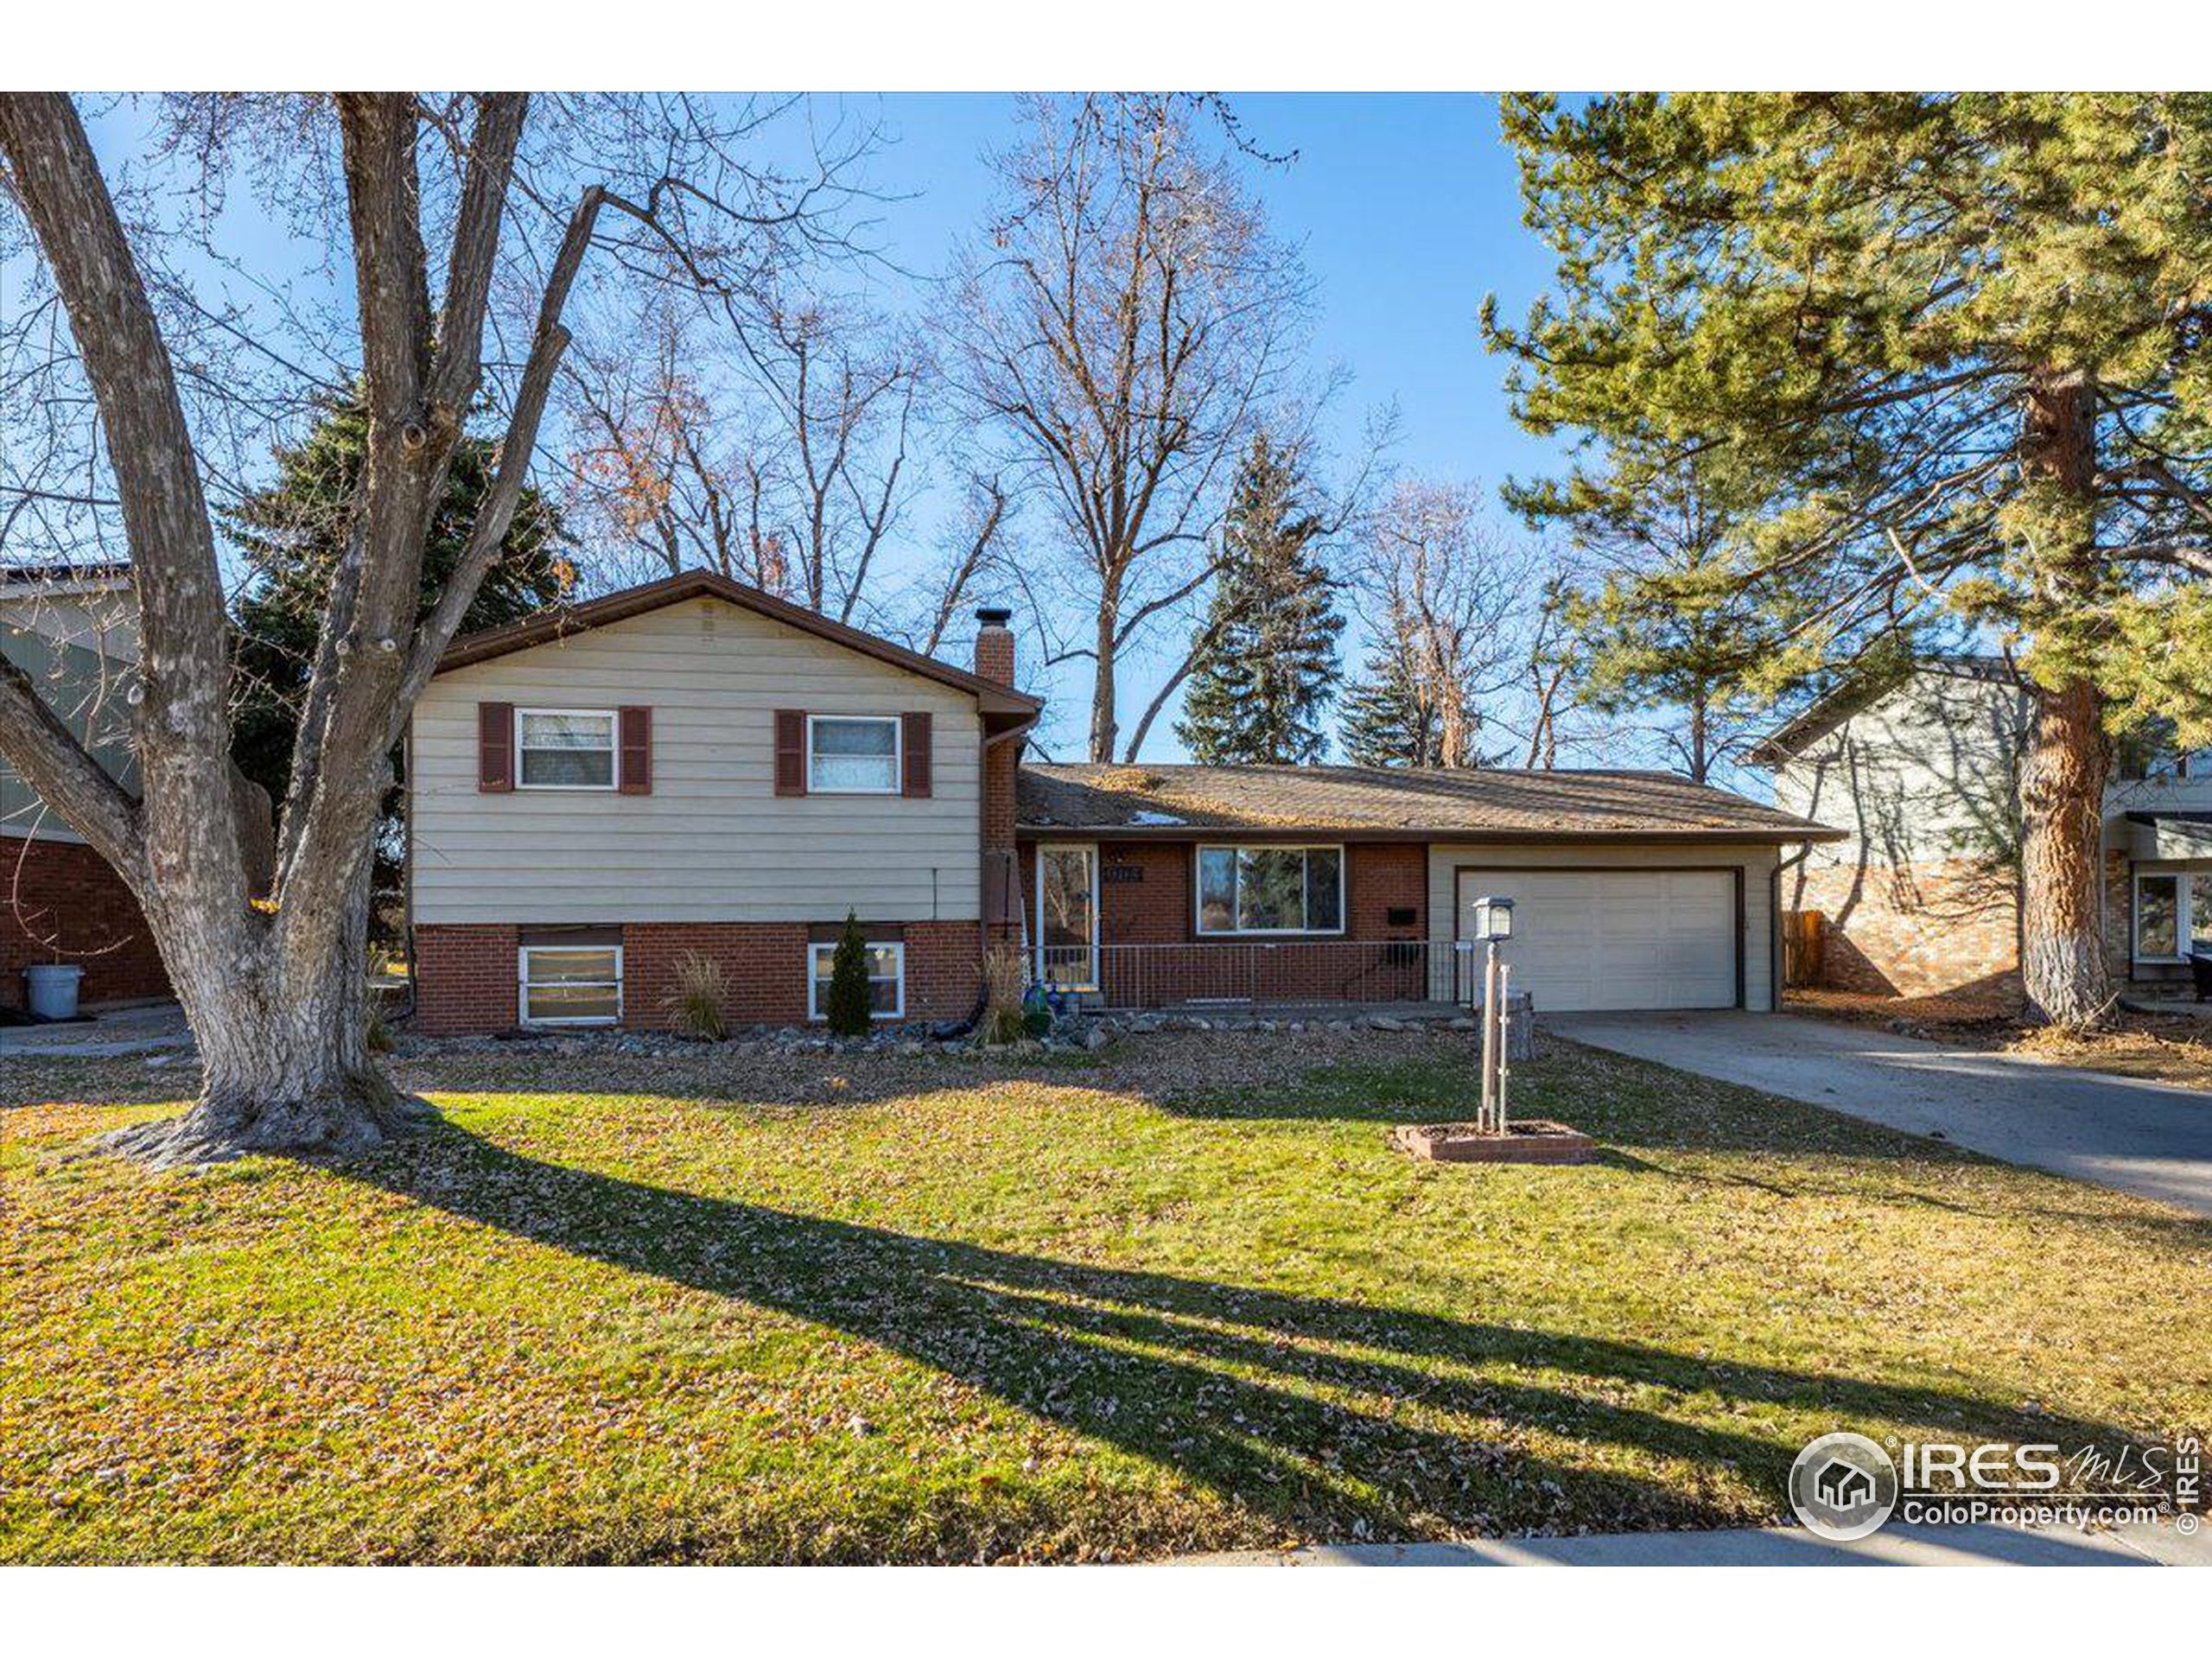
[(570, 985), (887, 979)]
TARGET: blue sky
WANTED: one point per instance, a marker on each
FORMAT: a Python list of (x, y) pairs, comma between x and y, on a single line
[(1405, 207), (1407, 210)]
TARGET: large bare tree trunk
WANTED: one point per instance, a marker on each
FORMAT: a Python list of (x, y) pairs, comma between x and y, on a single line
[(283, 1050), (274, 990), (2063, 773), (1105, 720)]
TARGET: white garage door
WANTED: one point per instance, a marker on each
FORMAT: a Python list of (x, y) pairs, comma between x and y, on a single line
[(1616, 938)]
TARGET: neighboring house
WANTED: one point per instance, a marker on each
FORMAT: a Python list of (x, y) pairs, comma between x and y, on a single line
[(694, 767), (74, 630), (1921, 897)]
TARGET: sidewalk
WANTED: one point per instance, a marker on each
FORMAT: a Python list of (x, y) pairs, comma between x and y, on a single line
[(1895, 1545), (146, 1029)]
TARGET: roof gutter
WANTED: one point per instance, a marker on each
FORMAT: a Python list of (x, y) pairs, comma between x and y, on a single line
[(1769, 835)]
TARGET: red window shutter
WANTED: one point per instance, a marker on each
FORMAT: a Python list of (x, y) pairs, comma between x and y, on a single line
[(791, 752), (495, 747), (637, 724), (914, 748)]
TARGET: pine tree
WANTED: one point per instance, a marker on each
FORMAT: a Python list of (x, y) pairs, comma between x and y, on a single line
[(850, 1005), (1660, 612), (292, 532), (1959, 348), (1269, 668), (1386, 722)]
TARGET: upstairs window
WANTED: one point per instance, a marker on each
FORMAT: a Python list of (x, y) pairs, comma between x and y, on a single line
[(564, 748), (1271, 889), (852, 754)]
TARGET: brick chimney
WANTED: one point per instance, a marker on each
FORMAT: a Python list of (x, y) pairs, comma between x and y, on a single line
[(994, 643), (1001, 759)]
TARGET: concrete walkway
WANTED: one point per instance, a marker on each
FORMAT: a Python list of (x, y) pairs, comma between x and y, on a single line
[(147, 1028), (1893, 1545), (2154, 1138)]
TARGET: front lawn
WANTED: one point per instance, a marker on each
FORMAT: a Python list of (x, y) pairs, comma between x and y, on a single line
[(750, 1308)]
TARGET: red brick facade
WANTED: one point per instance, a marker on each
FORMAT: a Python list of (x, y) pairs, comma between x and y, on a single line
[(1146, 897), (464, 978), (1931, 929), (60, 901), (466, 975), (1923, 929)]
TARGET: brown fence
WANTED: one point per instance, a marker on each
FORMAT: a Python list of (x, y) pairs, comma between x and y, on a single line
[(1804, 937)]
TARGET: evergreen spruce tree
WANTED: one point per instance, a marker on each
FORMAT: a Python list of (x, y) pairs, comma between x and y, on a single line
[(1270, 667), (1386, 722), (292, 532), (850, 1008)]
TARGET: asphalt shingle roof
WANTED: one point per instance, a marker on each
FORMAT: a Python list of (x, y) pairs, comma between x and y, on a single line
[(1162, 800)]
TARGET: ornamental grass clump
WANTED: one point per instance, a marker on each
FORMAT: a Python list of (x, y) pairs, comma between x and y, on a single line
[(696, 1000), (1006, 979)]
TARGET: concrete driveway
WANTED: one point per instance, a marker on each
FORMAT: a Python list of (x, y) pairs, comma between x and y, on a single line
[(2150, 1138)]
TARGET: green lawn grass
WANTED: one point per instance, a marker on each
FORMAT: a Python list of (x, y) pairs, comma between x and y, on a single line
[(920, 1310)]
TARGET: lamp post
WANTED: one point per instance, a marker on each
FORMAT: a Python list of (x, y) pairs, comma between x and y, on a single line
[(1493, 926)]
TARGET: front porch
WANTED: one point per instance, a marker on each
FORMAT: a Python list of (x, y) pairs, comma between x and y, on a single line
[(1327, 978)]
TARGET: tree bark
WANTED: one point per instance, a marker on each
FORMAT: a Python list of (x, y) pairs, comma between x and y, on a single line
[(2062, 774), (1104, 720), (2062, 799), (283, 1052)]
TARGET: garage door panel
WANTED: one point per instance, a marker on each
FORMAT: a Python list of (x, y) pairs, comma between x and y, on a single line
[(1616, 938)]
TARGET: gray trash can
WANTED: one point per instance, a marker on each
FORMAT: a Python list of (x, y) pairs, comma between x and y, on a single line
[(54, 989)]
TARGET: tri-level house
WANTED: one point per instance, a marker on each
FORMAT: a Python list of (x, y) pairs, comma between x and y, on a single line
[(694, 767), (1921, 897)]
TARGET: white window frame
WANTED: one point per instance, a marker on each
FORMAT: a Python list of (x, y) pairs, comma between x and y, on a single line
[(1097, 915), (2185, 922), (1197, 889), (522, 987), (898, 752), (614, 719), (898, 949)]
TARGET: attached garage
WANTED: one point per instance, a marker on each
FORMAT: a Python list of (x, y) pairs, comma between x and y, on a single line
[(1596, 937), (1622, 925)]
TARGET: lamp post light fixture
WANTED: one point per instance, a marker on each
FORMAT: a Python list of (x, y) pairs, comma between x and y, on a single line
[(1493, 920)]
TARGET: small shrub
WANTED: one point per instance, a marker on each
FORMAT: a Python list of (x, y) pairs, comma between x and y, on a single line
[(695, 1002), (850, 1009), (1006, 977)]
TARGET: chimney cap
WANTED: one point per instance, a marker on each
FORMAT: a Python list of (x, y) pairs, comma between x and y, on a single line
[(994, 616)]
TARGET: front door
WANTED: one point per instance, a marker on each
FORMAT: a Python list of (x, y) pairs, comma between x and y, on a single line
[(1067, 915)]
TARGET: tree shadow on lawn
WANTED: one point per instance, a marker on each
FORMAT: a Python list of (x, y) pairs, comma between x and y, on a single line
[(1233, 1387)]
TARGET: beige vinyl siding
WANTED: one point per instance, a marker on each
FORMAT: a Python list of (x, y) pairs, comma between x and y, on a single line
[(1758, 863), (713, 842)]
